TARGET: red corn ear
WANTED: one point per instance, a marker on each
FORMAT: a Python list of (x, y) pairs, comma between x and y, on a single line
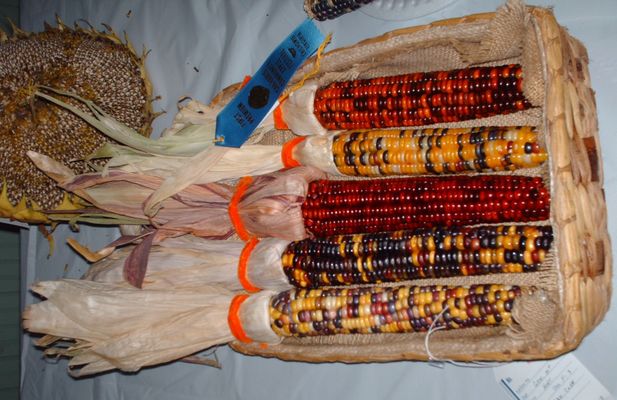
[(380, 205), (421, 98)]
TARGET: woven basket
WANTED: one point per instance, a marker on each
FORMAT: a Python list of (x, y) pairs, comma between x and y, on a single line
[(573, 287)]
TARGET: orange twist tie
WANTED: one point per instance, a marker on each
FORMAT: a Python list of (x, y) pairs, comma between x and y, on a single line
[(246, 80), (287, 153), (233, 319), (243, 266), (234, 215), (279, 120)]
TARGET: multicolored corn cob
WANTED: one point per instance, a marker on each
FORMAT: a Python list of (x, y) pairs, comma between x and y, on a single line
[(416, 254), (437, 151), (301, 312), (421, 98), (323, 10), (380, 205)]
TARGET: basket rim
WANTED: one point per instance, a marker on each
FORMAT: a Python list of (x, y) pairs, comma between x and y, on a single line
[(571, 335)]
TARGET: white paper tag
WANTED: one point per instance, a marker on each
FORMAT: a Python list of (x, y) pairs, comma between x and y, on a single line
[(564, 378)]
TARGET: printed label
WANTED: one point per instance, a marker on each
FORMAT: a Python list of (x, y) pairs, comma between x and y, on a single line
[(244, 113)]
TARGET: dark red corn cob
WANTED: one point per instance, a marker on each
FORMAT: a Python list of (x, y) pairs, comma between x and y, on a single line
[(379, 205), (421, 98), (415, 254)]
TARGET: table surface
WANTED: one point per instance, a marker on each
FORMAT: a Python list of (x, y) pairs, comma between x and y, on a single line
[(198, 47)]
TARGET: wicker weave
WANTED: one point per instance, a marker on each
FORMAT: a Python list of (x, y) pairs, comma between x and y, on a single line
[(572, 292)]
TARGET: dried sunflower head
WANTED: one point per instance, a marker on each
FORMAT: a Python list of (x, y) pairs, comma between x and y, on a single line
[(97, 66)]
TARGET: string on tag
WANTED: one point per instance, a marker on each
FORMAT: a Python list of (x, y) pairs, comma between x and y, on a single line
[(439, 362)]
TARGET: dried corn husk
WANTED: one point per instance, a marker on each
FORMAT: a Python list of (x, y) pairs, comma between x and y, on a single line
[(192, 262), (184, 155), (297, 110), (126, 328), (270, 205)]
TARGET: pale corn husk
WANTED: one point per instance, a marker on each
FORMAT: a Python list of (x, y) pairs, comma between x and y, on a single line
[(212, 165), (222, 163), (298, 113), (271, 206), (184, 155), (126, 328), (191, 262), (124, 194), (215, 164)]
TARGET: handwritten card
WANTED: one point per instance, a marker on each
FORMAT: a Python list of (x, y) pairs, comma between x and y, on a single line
[(564, 378)]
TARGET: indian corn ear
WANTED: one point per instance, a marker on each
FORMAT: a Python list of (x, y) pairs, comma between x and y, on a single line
[(436, 151), (417, 254), (300, 312), (379, 205), (421, 98)]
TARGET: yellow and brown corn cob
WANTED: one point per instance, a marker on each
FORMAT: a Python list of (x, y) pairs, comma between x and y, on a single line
[(302, 312), (422, 98), (417, 254), (436, 151)]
